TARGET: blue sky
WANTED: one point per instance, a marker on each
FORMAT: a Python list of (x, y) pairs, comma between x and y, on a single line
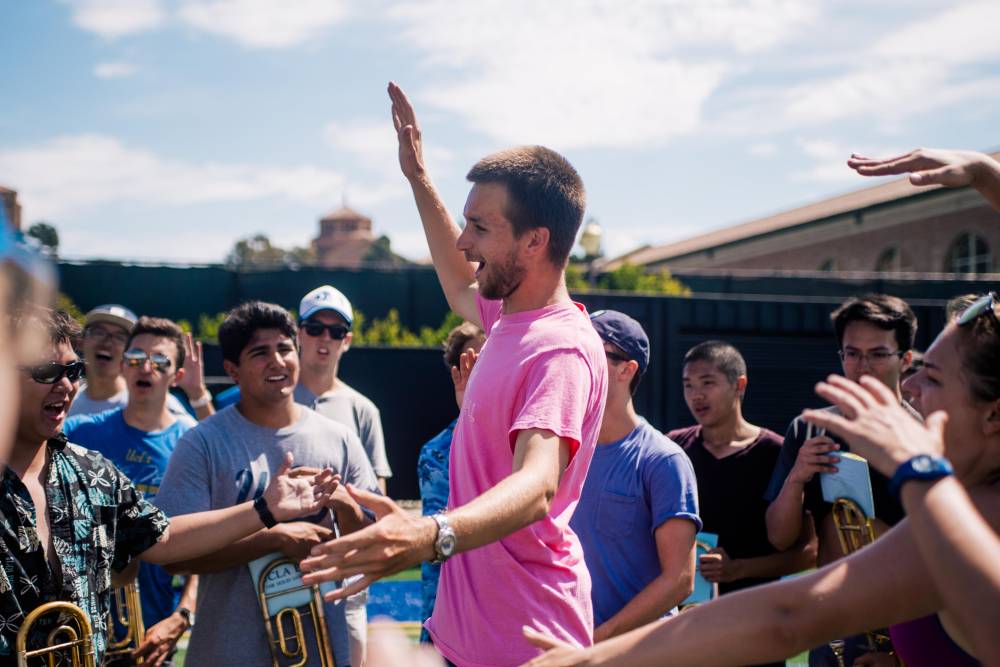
[(168, 129)]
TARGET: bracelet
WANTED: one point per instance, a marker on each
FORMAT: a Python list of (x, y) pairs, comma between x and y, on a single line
[(920, 467), (264, 513), (202, 401)]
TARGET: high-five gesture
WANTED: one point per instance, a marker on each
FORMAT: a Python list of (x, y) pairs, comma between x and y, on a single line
[(935, 166), (411, 154), (290, 496)]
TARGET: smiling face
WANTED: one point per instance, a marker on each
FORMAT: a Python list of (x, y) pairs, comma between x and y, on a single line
[(145, 383), (268, 369), (103, 345), (322, 353), (488, 238), (710, 396), (942, 383), (44, 406)]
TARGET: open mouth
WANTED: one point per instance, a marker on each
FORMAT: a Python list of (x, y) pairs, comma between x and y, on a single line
[(102, 356), (276, 378), (480, 268), (322, 351), (55, 410), (145, 384)]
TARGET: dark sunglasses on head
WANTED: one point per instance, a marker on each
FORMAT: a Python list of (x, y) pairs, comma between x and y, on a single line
[(982, 306), (315, 329), (52, 372), (135, 358)]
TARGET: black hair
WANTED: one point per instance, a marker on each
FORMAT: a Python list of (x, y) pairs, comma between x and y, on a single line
[(245, 320), (889, 313), (724, 356)]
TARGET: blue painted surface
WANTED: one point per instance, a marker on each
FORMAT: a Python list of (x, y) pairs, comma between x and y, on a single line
[(400, 600)]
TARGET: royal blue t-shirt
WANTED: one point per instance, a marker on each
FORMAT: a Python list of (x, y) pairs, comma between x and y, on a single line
[(634, 486), (143, 457)]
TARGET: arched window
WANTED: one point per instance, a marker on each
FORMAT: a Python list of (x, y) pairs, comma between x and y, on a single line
[(969, 254), (892, 260)]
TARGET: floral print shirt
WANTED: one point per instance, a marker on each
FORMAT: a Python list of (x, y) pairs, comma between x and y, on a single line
[(98, 522)]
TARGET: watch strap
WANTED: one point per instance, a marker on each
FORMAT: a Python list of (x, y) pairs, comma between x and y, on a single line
[(923, 467), (264, 512)]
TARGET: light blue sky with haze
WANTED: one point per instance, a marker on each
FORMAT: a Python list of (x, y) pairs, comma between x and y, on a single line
[(168, 129)]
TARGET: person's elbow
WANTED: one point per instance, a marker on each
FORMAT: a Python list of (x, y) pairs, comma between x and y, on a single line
[(781, 533), (541, 504)]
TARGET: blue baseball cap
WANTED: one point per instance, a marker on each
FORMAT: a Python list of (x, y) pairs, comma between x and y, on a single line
[(621, 330)]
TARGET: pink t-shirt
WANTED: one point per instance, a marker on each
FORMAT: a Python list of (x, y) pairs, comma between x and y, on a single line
[(542, 369)]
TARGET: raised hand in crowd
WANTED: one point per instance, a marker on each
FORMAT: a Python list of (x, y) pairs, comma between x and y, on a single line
[(460, 374), (192, 381), (871, 421), (411, 152), (936, 166)]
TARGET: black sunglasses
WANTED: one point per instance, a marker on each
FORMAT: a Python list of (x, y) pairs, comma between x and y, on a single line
[(982, 306), (614, 356), (316, 329), (134, 358), (52, 372)]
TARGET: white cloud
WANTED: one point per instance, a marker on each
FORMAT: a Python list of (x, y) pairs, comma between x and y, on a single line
[(600, 73), (373, 145), (829, 162), (920, 67), (116, 18), (89, 171), (114, 70), (763, 149), (264, 24)]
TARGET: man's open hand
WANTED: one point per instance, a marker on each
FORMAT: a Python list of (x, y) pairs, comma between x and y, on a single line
[(396, 541), (411, 153)]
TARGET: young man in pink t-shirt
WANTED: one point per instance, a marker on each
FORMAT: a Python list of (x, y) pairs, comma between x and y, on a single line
[(529, 420)]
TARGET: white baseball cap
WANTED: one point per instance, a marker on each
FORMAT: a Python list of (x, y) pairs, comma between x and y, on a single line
[(325, 297), (112, 313)]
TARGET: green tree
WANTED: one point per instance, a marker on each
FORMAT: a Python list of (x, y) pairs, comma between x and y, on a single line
[(46, 235), (255, 251)]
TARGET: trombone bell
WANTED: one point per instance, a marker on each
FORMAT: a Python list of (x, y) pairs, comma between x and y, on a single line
[(286, 633), (128, 612), (74, 638)]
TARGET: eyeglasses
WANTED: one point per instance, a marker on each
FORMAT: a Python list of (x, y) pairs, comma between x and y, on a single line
[(316, 329), (100, 334), (137, 358), (982, 306), (875, 357), (52, 372), (614, 356)]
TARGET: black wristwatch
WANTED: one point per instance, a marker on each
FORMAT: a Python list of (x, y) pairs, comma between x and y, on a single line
[(264, 512), (187, 615)]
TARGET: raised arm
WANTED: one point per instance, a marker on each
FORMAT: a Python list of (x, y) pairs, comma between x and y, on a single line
[(456, 275), (935, 166)]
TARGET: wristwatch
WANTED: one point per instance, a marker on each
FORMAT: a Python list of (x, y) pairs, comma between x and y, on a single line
[(923, 467), (187, 615), (444, 544)]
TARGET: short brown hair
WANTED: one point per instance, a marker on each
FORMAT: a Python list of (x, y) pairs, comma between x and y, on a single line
[(889, 313), (160, 326), (545, 191), (957, 305), (57, 323), (456, 341)]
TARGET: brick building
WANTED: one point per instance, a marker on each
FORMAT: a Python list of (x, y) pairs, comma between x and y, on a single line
[(892, 227), (8, 199)]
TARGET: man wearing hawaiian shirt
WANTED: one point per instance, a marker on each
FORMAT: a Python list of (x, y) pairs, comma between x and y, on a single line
[(69, 520)]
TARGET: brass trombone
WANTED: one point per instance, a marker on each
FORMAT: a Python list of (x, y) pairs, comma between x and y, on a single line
[(292, 646), (128, 611), (854, 530), (76, 636)]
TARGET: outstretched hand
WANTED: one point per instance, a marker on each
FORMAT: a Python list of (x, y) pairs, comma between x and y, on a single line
[(874, 423), (396, 541), (460, 374), (411, 153), (926, 166), (193, 380), (293, 495)]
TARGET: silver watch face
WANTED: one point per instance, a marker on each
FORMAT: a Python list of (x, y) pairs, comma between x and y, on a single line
[(447, 545)]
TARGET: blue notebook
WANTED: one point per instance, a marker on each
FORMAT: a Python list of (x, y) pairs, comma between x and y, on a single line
[(704, 590), (851, 481)]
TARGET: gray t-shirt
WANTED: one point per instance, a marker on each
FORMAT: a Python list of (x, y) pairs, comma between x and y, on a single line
[(227, 460), (348, 406), (85, 405)]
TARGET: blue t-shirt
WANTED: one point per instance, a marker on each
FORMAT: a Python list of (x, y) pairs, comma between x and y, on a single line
[(634, 486), (143, 457)]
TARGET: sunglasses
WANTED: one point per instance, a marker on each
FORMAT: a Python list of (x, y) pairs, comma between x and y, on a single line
[(52, 372), (137, 358), (316, 329), (614, 356), (982, 306)]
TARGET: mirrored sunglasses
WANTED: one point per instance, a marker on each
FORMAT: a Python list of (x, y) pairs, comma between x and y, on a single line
[(137, 358)]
